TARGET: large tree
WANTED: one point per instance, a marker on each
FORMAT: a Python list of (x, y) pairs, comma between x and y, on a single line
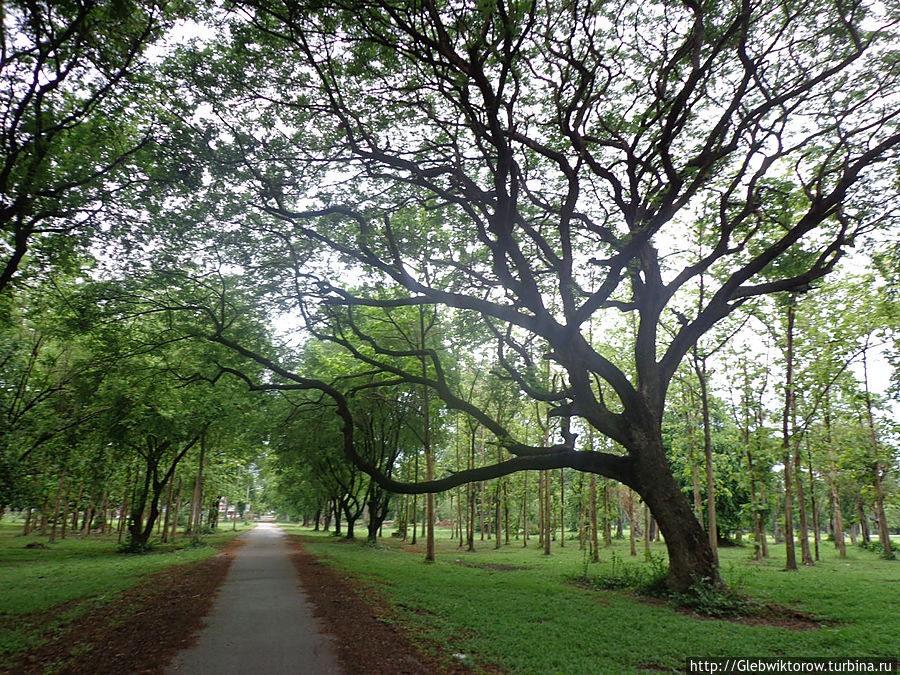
[(533, 165), (79, 124)]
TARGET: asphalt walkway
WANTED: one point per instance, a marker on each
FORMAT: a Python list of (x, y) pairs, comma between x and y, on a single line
[(261, 621)]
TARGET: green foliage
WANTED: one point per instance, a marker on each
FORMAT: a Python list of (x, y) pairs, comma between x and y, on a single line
[(874, 546), (709, 599), (648, 579)]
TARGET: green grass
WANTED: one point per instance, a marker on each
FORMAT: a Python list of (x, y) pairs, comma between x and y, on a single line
[(533, 619), (42, 591)]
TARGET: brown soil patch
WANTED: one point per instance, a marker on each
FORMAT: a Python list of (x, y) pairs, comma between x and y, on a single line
[(489, 566), (774, 615), (365, 636)]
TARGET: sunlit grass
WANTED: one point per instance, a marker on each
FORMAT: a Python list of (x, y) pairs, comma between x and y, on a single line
[(519, 609)]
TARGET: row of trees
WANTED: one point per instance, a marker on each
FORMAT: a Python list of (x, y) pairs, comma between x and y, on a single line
[(106, 416), (725, 422), (481, 209)]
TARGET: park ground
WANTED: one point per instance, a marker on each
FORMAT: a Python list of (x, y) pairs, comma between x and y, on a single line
[(78, 606)]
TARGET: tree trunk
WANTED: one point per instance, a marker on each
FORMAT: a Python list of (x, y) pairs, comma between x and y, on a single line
[(540, 513), (805, 554), (547, 513), (711, 524), (499, 512), (177, 507), (64, 519), (646, 533), (812, 504), (692, 456), (59, 496), (562, 508), (790, 552), (506, 511), (838, 529), (426, 442), (632, 534), (78, 506), (607, 521), (691, 559), (525, 510), (883, 533), (88, 517), (165, 526), (595, 544), (863, 523)]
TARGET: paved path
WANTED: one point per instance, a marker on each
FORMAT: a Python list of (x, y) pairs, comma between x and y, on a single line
[(261, 622)]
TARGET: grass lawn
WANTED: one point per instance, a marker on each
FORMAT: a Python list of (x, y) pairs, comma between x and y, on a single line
[(44, 590), (519, 609)]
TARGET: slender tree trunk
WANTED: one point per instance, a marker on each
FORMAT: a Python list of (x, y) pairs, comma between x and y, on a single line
[(632, 526), (863, 522), (75, 513), (883, 533), (541, 527), (547, 513), (711, 522), (562, 509), (60, 488), (165, 527), (426, 441), (607, 519), (692, 455), (832, 484), (459, 503), (197, 501), (525, 510), (506, 510), (595, 544), (175, 514), (497, 528), (646, 533), (470, 501), (812, 503), (415, 501), (88, 517), (791, 562), (64, 519)]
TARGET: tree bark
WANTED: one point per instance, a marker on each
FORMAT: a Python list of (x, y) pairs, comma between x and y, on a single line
[(691, 559), (838, 530), (790, 552), (883, 533), (595, 544), (711, 523), (60, 488)]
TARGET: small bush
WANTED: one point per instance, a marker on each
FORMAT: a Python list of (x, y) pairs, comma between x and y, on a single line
[(645, 579), (707, 598), (874, 546), (132, 546)]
